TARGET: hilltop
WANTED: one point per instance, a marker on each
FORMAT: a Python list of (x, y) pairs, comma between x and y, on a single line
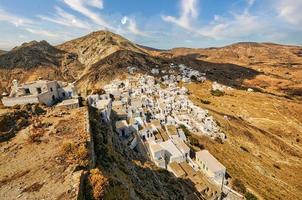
[(97, 45)]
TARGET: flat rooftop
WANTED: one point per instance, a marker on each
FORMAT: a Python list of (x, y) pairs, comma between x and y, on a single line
[(212, 163), (177, 170), (68, 102)]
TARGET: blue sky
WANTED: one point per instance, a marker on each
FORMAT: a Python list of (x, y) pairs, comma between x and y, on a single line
[(156, 23)]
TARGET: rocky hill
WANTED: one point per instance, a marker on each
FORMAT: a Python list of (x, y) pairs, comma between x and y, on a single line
[(30, 55), (34, 60), (266, 67), (97, 45)]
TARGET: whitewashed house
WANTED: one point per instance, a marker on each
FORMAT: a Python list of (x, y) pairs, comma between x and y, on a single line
[(181, 145), (104, 105), (41, 91), (157, 153), (210, 166), (155, 71), (122, 128), (172, 154)]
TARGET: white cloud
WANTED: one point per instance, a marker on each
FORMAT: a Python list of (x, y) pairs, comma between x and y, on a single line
[(96, 3), (290, 11), (188, 13), (236, 26), (124, 20), (66, 19), (41, 32), (131, 26), (82, 6), (14, 19), (250, 2)]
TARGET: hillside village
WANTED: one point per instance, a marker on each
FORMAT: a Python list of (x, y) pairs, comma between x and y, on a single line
[(153, 116)]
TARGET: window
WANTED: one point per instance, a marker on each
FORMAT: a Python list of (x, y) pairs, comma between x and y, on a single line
[(27, 91), (39, 90), (51, 89)]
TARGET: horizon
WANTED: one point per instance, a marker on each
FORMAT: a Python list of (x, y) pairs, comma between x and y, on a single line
[(160, 25)]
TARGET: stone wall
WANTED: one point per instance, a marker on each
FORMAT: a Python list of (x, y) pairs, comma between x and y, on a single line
[(92, 158), (9, 102)]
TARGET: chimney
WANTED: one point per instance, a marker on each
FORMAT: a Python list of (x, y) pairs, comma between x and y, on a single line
[(15, 85)]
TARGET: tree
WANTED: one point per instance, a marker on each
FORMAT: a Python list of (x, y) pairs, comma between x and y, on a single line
[(250, 196)]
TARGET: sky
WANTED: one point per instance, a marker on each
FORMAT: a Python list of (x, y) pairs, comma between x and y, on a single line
[(160, 24)]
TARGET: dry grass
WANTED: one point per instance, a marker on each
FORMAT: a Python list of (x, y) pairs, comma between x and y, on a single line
[(97, 184), (36, 132), (266, 126)]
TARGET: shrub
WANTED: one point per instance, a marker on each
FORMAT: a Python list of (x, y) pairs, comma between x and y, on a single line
[(185, 130), (277, 166), (219, 140), (217, 93), (193, 78), (244, 149), (239, 186), (67, 147), (250, 196), (194, 141), (205, 101), (36, 132), (35, 135), (97, 183), (82, 155)]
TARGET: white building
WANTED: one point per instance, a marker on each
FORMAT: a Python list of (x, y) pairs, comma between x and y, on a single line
[(172, 153), (41, 91), (157, 153), (103, 103), (155, 71), (210, 166), (122, 128)]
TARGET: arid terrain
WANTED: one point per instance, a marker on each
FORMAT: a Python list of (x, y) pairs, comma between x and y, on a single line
[(263, 127), (46, 156), (263, 148)]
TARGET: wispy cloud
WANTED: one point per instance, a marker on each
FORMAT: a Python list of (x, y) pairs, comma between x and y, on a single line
[(41, 32), (131, 26), (14, 19), (290, 11), (237, 25), (83, 7), (66, 19), (188, 12)]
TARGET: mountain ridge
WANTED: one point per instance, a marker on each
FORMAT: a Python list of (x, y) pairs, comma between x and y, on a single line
[(73, 60)]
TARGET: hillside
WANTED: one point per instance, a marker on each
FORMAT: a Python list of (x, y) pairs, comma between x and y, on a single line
[(264, 147), (2, 52), (34, 60), (45, 157), (263, 127), (114, 66), (30, 55), (271, 68), (97, 45)]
